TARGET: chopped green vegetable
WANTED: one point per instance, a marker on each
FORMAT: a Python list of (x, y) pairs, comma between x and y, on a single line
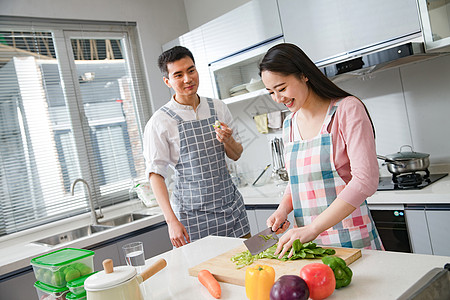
[(267, 237), (301, 251)]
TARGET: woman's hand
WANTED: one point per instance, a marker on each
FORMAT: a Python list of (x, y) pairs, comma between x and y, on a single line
[(304, 234), (178, 234), (275, 221)]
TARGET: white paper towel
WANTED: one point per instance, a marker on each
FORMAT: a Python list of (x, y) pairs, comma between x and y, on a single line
[(274, 119)]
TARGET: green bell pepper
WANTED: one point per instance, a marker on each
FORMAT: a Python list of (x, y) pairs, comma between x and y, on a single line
[(342, 273)]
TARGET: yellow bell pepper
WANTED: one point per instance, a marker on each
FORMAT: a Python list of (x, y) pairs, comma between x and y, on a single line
[(258, 282)]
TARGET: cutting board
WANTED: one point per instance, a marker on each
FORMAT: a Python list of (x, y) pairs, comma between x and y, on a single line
[(225, 270)]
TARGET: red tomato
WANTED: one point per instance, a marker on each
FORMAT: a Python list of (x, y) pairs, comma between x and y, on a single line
[(320, 280)]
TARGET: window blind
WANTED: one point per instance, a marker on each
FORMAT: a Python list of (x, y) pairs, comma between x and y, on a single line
[(72, 105)]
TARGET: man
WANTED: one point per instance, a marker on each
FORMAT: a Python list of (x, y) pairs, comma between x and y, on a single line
[(184, 135)]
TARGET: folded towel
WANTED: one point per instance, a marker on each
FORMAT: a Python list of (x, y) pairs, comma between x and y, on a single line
[(261, 123), (274, 119)]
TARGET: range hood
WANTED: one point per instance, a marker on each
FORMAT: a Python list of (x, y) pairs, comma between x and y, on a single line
[(370, 60)]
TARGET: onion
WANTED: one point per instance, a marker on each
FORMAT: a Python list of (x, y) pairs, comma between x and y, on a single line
[(289, 287)]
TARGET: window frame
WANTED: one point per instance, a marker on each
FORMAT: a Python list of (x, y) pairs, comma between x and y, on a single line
[(63, 31)]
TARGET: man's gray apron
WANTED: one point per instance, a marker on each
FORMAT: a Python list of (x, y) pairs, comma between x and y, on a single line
[(205, 200)]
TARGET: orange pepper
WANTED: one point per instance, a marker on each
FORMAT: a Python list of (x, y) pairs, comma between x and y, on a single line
[(258, 282)]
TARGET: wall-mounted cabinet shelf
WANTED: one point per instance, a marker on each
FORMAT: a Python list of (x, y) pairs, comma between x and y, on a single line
[(246, 96), (435, 16)]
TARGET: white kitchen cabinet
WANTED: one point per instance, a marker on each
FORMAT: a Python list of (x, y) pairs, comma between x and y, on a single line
[(419, 237), (228, 48), (246, 26), (238, 71), (435, 17), (438, 226), (428, 228), (326, 29)]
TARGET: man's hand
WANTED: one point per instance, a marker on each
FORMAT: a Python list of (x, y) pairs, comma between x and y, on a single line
[(178, 234), (224, 134)]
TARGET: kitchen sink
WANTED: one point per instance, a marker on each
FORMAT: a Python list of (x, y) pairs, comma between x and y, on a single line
[(124, 219), (72, 235)]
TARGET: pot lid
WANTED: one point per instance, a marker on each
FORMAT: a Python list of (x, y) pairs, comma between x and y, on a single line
[(102, 280), (407, 154)]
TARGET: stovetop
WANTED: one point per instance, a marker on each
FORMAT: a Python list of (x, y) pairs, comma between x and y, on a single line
[(386, 183)]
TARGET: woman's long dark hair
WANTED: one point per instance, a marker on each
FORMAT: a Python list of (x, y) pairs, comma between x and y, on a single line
[(289, 59)]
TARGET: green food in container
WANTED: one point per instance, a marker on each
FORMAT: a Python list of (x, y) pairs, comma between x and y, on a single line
[(72, 296), (76, 286), (61, 266), (46, 291)]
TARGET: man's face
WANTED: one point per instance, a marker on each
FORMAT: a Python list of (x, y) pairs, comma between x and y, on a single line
[(183, 77)]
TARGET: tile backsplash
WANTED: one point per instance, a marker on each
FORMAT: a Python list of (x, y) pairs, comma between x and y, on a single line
[(409, 105)]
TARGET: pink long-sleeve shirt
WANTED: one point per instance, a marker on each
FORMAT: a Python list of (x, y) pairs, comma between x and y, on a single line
[(354, 151)]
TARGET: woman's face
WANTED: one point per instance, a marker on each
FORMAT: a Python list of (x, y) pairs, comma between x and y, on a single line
[(286, 89)]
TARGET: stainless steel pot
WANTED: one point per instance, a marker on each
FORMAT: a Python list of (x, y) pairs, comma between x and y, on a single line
[(406, 161)]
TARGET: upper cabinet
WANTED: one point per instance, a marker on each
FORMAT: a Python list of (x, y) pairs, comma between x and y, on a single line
[(327, 29), (242, 28), (435, 16), (228, 48)]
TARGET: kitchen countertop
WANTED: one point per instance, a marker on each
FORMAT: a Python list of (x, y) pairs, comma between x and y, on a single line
[(16, 251), (377, 274)]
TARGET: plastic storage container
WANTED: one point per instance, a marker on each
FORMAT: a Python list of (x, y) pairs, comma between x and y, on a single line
[(72, 296), (59, 267), (77, 286), (48, 292)]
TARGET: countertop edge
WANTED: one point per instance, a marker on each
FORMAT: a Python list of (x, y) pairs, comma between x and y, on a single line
[(31, 250)]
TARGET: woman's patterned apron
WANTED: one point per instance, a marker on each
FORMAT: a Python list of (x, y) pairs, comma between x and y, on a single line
[(315, 184), (205, 200)]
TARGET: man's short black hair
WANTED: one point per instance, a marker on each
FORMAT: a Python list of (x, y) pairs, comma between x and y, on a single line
[(172, 55)]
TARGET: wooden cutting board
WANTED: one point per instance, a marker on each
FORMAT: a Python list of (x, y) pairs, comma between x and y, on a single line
[(225, 270)]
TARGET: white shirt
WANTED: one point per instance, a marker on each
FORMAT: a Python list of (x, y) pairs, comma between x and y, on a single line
[(162, 139)]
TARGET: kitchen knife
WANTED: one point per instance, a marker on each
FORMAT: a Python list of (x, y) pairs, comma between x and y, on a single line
[(262, 241)]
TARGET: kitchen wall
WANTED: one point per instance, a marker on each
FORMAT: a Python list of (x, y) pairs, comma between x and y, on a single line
[(408, 105)]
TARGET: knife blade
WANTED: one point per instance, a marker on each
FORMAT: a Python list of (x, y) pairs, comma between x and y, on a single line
[(262, 241)]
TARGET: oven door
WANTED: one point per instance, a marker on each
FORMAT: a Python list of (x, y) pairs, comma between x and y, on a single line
[(391, 225)]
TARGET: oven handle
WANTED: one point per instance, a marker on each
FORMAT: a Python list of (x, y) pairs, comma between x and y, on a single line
[(434, 207)]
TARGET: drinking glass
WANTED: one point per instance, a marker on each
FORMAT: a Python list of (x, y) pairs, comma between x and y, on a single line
[(134, 254)]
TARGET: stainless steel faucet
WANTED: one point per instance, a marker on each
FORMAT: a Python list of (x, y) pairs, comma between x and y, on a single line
[(94, 215)]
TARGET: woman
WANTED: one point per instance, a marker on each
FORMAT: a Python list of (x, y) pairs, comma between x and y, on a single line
[(330, 155)]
